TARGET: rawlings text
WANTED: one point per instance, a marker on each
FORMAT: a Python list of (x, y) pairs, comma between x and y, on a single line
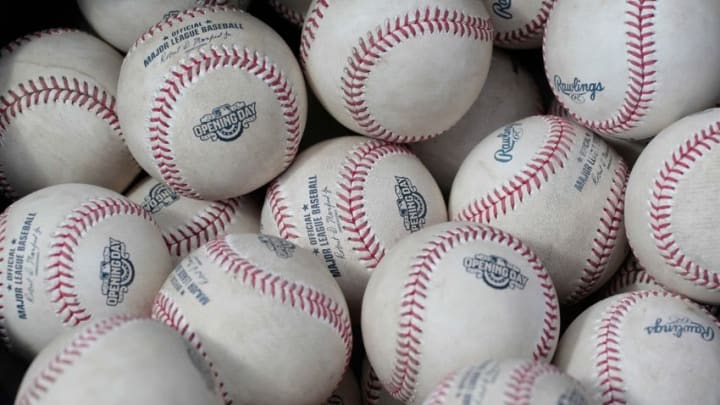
[(680, 327), (509, 136), (577, 90), (501, 8)]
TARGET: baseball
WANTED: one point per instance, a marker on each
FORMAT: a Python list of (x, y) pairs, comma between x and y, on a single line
[(646, 347), (628, 73), (57, 114), (213, 103), (70, 254), (519, 24), (509, 381), (121, 22), (270, 322), (510, 94), (347, 393), (672, 196), (291, 10), (187, 224), (373, 392), (389, 69), (557, 187), (472, 285), (632, 276), (349, 200), (142, 362)]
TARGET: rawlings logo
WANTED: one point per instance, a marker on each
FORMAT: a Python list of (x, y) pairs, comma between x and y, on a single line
[(159, 197), (226, 123), (497, 272), (679, 327), (411, 204), (501, 8), (510, 135), (282, 248), (577, 90), (116, 272), (572, 397)]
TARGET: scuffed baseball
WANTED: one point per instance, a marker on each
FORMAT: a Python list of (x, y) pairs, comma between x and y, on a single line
[(347, 393), (373, 392), (509, 94), (671, 201), (70, 254), (118, 361), (58, 122), (519, 24), (121, 22), (291, 10), (349, 200), (624, 75), (509, 381), (213, 103), (452, 293), (186, 223), (388, 69), (557, 187), (645, 347), (268, 319)]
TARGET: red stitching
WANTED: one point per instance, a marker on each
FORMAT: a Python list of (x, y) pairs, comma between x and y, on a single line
[(439, 395), (351, 198), (372, 388), (206, 225), (606, 235), (287, 13), (61, 257), (370, 50), (165, 310), (408, 353), (641, 61), (310, 27), (14, 45), (307, 299), (66, 358), (661, 205), (631, 273), (280, 212), (172, 21), (48, 90), (551, 157), (3, 235), (530, 31), (186, 74), (522, 380)]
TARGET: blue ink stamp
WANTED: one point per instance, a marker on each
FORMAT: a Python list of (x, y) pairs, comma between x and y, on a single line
[(282, 248), (572, 397), (226, 123), (116, 272), (501, 8), (159, 197), (410, 203), (510, 135), (577, 90), (497, 272), (679, 327)]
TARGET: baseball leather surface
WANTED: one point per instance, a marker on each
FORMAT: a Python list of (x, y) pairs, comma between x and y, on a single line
[(519, 24)]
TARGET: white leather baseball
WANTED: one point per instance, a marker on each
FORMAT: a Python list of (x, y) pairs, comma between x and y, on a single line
[(509, 94), (509, 381), (449, 295), (187, 224), (349, 200), (269, 320), (519, 24), (672, 196), (57, 114), (557, 187), (212, 102), (389, 69), (347, 393), (644, 347), (373, 392), (118, 361), (70, 254), (121, 22), (291, 10), (632, 276), (628, 74)]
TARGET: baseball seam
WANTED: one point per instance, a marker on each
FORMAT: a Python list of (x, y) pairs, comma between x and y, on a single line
[(187, 73), (439, 395), (606, 235), (662, 193), (206, 225), (3, 236), (60, 269), (528, 32), (310, 27), (308, 300), (550, 158), (351, 198), (409, 336), (17, 43), (172, 21), (166, 311), (631, 273), (522, 380), (641, 59), (280, 210), (65, 359), (372, 388), (287, 13)]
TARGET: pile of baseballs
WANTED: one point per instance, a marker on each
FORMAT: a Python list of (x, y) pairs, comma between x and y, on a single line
[(169, 241)]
